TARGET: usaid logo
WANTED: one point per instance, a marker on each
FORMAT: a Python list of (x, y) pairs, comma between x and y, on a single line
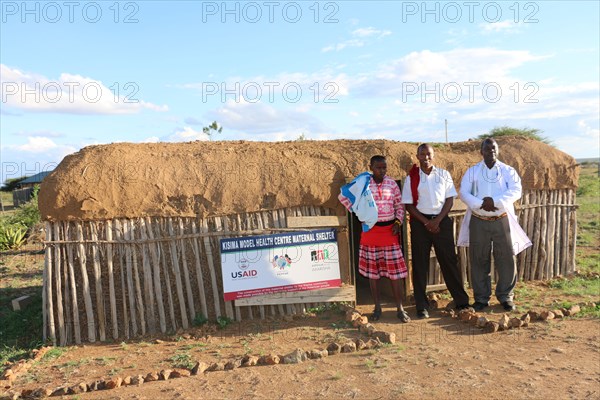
[(245, 272)]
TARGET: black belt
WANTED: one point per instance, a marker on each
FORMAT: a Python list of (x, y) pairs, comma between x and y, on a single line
[(430, 216), (385, 223)]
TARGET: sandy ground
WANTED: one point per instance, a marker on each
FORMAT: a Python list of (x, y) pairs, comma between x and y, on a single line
[(435, 358)]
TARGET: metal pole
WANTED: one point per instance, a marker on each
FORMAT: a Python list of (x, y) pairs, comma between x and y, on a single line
[(446, 122)]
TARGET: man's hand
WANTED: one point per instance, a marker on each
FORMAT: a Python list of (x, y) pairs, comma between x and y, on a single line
[(433, 226), (396, 229), (488, 204)]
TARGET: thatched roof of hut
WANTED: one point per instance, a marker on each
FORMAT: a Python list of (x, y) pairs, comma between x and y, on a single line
[(126, 180)]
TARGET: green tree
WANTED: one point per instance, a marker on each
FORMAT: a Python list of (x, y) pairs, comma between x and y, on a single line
[(212, 129), (510, 131), (11, 184)]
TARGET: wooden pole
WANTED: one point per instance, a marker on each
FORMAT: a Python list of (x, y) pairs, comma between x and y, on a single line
[(163, 255), (66, 288), (122, 267), (130, 288), (136, 278), (98, 283), (74, 302), (186, 274), (529, 229), (199, 276), (148, 286), (59, 290), (259, 225), (89, 309), (45, 291), (574, 236), (543, 226), (178, 284), (211, 268), (146, 230), (111, 280)]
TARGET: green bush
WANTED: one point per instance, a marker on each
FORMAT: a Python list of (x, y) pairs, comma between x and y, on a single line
[(28, 214), (12, 237), (531, 133)]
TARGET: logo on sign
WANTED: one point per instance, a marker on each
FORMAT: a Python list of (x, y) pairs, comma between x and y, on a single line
[(319, 255), (245, 272), (282, 262)]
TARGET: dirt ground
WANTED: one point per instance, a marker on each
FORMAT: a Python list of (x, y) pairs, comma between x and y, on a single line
[(435, 358)]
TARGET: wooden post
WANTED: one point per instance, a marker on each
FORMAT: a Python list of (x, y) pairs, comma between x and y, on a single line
[(98, 282), (522, 257), (89, 309), (66, 291), (146, 230), (186, 274), (130, 289), (531, 218), (199, 277), (178, 284), (148, 284), (574, 236), (111, 280), (122, 266), (211, 268), (59, 290), (159, 225), (543, 226), (45, 291), (74, 302)]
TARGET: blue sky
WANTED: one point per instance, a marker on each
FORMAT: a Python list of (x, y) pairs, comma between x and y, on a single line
[(80, 73)]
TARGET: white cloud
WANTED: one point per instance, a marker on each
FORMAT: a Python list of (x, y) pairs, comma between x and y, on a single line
[(185, 134), (359, 39), (506, 26), (485, 65), (370, 31), (264, 122), (343, 45), (36, 155), (44, 133), (68, 94)]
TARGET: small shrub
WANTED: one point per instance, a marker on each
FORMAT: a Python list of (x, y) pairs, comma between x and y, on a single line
[(199, 320), (222, 322), (182, 360), (12, 237)]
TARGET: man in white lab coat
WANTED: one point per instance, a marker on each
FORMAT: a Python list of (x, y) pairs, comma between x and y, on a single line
[(489, 190)]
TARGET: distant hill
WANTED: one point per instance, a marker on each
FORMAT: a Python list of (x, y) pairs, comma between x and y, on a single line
[(588, 160)]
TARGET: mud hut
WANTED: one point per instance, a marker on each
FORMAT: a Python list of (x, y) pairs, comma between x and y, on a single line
[(132, 230)]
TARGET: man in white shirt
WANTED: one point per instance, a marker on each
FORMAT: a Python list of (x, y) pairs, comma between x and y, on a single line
[(428, 194), (489, 190)]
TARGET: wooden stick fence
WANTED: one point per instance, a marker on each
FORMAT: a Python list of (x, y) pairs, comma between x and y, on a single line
[(550, 219), (123, 278)]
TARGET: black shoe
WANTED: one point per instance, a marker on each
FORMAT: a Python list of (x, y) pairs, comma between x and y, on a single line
[(463, 306), (508, 305), (422, 314), (479, 306), (376, 314)]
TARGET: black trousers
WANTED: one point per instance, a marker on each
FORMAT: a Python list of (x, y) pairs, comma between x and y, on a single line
[(443, 245)]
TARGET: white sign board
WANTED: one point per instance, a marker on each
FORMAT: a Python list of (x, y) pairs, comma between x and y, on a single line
[(285, 262)]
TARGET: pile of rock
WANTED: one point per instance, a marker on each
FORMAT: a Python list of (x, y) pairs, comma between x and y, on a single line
[(375, 340), (468, 315)]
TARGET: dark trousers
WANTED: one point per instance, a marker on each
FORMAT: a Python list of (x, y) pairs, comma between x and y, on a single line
[(486, 238), (443, 245)]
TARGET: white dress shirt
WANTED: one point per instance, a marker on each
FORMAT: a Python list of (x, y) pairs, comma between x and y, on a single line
[(433, 191)]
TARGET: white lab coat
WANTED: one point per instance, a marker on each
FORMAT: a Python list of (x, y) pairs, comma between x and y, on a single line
[(510, 187)]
